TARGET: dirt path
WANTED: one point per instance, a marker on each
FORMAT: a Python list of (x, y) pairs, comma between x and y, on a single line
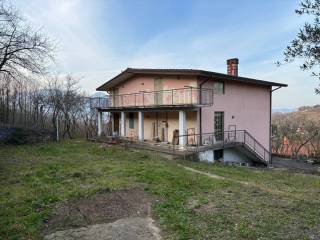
[(211, 175), (252, 184), (124, 214)]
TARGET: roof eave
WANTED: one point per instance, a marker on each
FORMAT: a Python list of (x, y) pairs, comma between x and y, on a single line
[(130, 72)]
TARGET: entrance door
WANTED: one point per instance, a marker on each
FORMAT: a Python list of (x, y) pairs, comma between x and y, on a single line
[(158, 87), (162, 126), (219, 125)]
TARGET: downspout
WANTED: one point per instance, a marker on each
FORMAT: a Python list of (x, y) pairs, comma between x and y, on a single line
[(200, 110), (270, 125)]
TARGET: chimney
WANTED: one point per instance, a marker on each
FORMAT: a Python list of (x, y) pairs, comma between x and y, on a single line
[(232, 65)]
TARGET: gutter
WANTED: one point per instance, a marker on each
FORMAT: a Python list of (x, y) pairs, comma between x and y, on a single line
[(276, 89), (270, 125)]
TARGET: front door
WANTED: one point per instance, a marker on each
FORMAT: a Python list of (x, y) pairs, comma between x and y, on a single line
[(219, 125)]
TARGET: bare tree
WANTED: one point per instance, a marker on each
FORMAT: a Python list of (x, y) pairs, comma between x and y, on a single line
[(66, 102), (27, 102), (36, 105), (22, 48), (88, 117)]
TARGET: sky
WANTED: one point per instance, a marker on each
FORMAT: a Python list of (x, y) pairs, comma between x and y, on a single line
[(97, 39)]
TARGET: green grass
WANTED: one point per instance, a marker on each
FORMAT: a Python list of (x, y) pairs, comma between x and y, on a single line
[(275, 205)]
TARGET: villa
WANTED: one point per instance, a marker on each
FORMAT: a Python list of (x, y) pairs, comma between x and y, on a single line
[(224, 116)]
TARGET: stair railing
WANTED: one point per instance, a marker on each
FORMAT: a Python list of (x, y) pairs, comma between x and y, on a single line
[(224, 138), (252, 144)]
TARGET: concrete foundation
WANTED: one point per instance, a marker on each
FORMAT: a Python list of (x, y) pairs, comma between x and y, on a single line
[(230, 156)]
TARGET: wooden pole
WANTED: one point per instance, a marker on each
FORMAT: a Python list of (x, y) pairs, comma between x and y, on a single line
[(57, 124)]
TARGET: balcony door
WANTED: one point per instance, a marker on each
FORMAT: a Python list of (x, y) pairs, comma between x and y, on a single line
[(116, 97), (219, 125), (158, 95)]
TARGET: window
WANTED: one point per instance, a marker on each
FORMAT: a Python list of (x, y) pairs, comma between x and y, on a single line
[(218, 87), (131, 120)]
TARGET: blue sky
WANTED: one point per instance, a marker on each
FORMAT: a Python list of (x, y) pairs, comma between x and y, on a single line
[(98, 38)]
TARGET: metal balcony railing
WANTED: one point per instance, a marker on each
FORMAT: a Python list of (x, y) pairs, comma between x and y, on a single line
[(174, 97), (229, 138), (99, 102)]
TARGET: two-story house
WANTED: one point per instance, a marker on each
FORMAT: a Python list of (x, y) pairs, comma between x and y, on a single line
[(223, 112)]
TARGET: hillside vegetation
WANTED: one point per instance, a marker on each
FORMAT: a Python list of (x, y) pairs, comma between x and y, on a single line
[(297, 134)]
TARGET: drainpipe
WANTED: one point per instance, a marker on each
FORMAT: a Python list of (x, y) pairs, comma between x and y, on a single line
[(200, 110), (270, 126)]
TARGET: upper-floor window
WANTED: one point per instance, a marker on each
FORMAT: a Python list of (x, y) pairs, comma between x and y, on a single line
[(218, 87)]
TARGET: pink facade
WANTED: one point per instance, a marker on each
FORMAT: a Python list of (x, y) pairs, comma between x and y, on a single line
[(136, 84), (172, 91), (206, 111), (245, 107), (175, 90)]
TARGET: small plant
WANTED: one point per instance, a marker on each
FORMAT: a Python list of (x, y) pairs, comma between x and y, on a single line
[(316, 158)]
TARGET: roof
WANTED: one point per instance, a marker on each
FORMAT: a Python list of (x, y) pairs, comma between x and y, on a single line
[(130, 72)]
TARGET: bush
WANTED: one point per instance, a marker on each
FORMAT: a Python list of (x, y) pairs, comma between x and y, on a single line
[(23, 136), (18, 136), (316, 158)]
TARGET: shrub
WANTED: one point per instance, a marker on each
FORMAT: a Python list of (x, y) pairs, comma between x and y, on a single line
[(22, 136), (18, 136)]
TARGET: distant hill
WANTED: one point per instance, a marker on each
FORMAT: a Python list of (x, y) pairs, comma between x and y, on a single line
[(310, 112), (315, 108), (283, 110), (99, 94)]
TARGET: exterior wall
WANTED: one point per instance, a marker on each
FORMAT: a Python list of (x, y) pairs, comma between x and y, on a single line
[(146, 84), (245, 105), (206, 156), (136, 84), (160, 118), (178, 82), (231, 155)]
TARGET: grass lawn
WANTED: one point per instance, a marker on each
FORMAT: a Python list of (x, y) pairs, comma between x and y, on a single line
[(248, 204)]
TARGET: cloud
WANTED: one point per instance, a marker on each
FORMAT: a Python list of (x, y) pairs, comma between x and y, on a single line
[(80, 48)]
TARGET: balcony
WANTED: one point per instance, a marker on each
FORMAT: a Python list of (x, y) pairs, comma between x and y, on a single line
[(173, 98)]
